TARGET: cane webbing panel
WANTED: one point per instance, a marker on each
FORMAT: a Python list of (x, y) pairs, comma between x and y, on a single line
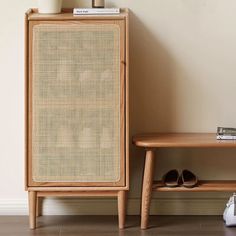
[(76, 103)]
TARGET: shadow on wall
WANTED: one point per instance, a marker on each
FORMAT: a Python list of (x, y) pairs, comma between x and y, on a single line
[(152, 87), (152, 81)]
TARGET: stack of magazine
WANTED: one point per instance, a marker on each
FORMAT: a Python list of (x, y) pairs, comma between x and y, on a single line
[(226, 133), (96, 11)]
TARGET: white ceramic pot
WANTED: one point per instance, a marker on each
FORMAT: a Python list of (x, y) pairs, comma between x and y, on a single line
[(49, 6)]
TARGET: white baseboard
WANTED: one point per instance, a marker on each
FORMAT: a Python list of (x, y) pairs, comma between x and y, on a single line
[(13, 206), (95, 206)]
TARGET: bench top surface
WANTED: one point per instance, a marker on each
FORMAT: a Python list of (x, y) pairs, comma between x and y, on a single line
[(155, 140)]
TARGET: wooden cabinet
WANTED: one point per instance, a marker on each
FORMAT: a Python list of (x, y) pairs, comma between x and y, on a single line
[(76, 107)]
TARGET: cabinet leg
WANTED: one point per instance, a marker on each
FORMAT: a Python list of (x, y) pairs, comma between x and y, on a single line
[(32, 209), (147, 187), (39, 206), (121, 208)]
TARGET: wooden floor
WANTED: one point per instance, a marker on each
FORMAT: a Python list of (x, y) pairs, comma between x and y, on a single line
[(107, 225)]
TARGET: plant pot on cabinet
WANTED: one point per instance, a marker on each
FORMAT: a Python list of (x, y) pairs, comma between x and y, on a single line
[(49, 6)]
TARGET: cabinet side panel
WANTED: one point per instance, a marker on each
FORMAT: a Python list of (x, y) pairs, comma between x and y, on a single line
[(76, 103), (127, 99), (26, 75)]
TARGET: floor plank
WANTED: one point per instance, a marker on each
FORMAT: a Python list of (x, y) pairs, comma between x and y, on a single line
[(107, 226)]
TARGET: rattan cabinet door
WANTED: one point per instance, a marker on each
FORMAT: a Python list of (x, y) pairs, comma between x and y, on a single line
[(76, 121)]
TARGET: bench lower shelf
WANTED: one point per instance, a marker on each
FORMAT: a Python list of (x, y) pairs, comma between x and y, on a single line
[(203, 186)]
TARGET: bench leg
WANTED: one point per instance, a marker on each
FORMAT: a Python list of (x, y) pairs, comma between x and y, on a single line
[(121, 208), (147, 187)]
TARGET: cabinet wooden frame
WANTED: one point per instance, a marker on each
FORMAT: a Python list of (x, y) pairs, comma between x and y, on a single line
[(121, 181), (42, 189)]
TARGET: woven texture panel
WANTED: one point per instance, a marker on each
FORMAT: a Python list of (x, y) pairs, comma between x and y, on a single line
[(76, 103)]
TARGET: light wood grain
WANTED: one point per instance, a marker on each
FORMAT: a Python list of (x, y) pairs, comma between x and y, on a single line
[(127, 97), (201, 140), (122, 101), (181, 140), (121, 208), (29, 104), (32, 209), (203, 186), (26, 71), (26, 57), (147, 187), (78, 193), (74, 188), (68, 15)]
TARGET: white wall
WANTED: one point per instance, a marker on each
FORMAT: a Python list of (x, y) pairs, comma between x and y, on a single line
[(183, 78)]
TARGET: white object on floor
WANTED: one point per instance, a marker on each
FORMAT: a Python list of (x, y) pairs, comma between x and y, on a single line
[(229, 215)]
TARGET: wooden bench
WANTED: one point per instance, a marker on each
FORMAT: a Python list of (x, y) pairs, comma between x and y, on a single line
[(176, 140)]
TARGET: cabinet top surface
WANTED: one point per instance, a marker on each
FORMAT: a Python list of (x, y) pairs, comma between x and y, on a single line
[(67, 14), (155, 140)]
